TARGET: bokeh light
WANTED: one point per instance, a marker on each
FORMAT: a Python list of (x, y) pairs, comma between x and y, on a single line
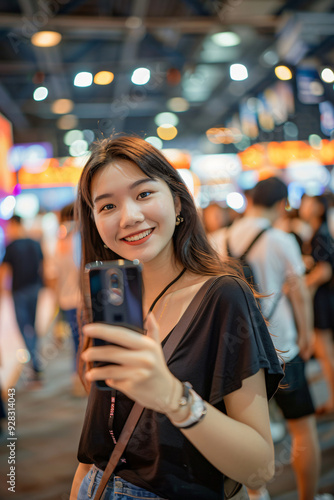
[(46, 38), (167, 132), (283, 73), (40, 93), (103, 78), (238, 72), (62, 106), (83, 79), (140, 76), (155, 141)]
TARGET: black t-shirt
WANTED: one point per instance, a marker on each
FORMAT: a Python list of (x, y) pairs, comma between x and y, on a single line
[(322, 245), (25, 258), (225, 344)]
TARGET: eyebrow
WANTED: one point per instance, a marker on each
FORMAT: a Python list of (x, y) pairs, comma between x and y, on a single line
[(134, 185)]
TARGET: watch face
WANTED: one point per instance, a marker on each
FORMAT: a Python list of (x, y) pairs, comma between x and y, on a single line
[(198, 406)]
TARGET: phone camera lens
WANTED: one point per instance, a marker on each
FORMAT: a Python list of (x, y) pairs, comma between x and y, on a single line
[(114, 281)]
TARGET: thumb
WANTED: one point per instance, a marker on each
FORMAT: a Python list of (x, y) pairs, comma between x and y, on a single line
[(152, 328)]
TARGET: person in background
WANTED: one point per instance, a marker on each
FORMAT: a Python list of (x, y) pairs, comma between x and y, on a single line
[(23, 266), (66, 265), (320, 281), (278, 268), (214, 217), (132, 204)]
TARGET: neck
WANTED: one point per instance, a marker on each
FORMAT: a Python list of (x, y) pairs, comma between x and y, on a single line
[(263, 212), (156, 275)]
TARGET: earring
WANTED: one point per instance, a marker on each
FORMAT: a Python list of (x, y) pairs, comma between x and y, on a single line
[(105, 246), (179, 219)]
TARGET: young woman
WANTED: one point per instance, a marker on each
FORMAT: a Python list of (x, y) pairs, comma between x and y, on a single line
[(132, 204), (320, 281)]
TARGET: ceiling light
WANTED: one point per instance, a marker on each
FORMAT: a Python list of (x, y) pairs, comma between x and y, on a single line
[(67, 122), (103, 78), (238, 72), (327, 75), (155, 141), (62, 106), (167, 132), (140, 76), (235, 200), (83, 79), (40, 93), (226, 39), (88, 135), (270, 57), (78, 148), (283, 73), (46, 38), (72, 136), (178, 104), (166, 119), (7, 206)]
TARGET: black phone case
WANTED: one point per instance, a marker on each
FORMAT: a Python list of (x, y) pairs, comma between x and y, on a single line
[(115, 296)]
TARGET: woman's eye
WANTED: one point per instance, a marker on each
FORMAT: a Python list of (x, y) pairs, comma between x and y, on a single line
[(107, 207), (145, 194)]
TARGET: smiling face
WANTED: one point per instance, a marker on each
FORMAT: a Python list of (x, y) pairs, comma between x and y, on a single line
[(134, 214)]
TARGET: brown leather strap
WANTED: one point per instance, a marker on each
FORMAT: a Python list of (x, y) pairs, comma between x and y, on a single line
[(123, 440), (132, 420)]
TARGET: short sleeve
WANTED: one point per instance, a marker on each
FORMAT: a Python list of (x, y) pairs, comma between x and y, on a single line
[(244, 345), (323, 247), (289, 253)]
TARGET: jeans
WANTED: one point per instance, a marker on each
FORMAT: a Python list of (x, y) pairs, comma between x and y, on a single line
[(25, 303), (116, 489), (70, 316)]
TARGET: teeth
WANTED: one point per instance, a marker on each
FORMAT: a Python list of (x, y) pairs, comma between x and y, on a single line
[(139, 236)]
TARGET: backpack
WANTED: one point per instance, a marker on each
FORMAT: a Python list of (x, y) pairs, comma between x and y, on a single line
[(246, 267), (249, 275)]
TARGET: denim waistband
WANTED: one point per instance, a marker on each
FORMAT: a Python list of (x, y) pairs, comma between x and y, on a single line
[(116, 487)]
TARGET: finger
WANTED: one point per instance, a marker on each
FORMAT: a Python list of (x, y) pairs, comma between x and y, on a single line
[(119, 355), (152, 327), (116, 373), (115, 335)]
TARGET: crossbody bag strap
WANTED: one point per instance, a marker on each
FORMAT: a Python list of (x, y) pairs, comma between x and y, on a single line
[(120, 446), (134, 416), (243, 256)]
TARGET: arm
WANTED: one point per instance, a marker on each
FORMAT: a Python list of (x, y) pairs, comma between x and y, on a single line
[(320, 274), (80, 473), (239, 444), (243, 437), (5, 276), (300, 298)]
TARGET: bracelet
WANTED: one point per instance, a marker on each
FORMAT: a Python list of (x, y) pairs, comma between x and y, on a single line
[(198, 408)]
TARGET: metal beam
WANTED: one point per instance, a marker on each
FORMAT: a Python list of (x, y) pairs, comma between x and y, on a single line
[(27, 25)]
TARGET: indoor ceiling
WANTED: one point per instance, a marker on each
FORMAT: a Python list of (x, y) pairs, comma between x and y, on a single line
[(170, 37)]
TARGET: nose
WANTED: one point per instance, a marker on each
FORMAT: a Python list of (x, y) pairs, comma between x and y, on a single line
[(130, 214)]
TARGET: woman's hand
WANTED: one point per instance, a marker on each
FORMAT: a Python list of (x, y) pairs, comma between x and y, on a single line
[(141, 371)]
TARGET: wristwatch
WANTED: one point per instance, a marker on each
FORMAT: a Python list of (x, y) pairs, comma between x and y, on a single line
[(198, 407)]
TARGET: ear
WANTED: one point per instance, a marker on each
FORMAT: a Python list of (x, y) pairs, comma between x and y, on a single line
[(177, 204)]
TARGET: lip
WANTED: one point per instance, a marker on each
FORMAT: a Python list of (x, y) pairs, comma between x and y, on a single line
[(137, 232), (142, 240)]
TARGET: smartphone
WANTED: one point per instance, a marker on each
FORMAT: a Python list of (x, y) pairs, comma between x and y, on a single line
[(114, 293)]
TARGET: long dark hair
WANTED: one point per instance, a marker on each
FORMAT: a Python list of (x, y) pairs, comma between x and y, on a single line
[(191, 246)]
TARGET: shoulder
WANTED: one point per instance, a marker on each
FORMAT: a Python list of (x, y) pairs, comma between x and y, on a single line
[(230, 290), (285, 241)]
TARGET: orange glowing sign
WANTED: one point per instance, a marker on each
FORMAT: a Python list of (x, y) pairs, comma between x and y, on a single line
[(281, 154), (7, 178), (51, 175)]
